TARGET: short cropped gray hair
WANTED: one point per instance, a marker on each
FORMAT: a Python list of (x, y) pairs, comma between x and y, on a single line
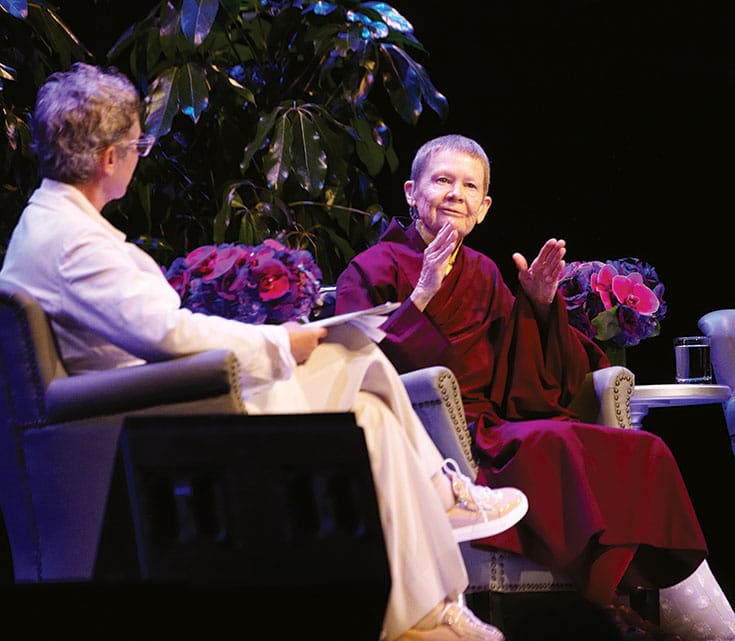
[(450, 142), (77, 114)]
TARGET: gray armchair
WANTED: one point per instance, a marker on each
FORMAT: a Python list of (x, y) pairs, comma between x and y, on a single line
[(719, 325), (435, 394), (81, 555), (59, 434)]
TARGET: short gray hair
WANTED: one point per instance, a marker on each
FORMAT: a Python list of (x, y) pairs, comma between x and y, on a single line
[(450, 142), (77, 114)]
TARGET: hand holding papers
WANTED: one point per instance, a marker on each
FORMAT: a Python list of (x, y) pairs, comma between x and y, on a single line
[(367, 320)]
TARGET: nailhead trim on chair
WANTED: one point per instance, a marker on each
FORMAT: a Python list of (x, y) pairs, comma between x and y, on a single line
[(236, 381), (556, 581), (622, 402), (504, 572), (452, 398)]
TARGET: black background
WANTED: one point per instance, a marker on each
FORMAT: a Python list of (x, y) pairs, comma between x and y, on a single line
[(609, 124)]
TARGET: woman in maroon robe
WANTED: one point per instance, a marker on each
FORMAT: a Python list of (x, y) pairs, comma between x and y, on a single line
[(608, 506)]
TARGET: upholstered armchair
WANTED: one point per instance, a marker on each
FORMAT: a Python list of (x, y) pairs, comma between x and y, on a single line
[(436, 398), (719, 325), (59, 435), (435, 394), (66, 446)]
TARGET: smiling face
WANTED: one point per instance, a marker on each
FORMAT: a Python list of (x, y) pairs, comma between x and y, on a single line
[(451, 188)]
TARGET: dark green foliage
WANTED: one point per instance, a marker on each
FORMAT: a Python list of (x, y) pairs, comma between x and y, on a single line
[(269, 120), (34, 41)]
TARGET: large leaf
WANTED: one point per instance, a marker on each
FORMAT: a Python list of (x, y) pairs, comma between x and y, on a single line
[(308, 158), (241, 90), (192, 90), (408, 83), (16, 8), (369, 153), (163, 104), (169, 30), (276, 161), (230, 201), (254, 226), (606, 324), (59, 37), (401, 82), (266, 122), (197, 18), (7, 73), (431, 95), (341, 246), (390, 16)]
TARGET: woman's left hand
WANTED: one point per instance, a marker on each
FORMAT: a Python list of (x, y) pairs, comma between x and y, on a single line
[(541, 279)]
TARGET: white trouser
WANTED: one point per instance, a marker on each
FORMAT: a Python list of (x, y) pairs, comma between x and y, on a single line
[(696, 609), (348, 372)]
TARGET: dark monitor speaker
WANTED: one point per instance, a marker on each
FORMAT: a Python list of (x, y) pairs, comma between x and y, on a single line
[(243, 515)]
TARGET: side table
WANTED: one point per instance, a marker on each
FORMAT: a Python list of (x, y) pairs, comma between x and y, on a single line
[(669, 395)]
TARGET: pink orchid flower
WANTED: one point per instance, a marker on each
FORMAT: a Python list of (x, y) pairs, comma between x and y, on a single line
[(601, 283), (631, 291)]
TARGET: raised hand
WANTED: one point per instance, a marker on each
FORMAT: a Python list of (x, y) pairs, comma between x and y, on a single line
[(434, 267), (540, 280)]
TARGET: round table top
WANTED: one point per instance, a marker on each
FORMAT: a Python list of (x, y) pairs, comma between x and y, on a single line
[(680, 394)]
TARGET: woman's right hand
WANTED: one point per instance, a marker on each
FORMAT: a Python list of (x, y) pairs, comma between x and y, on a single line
[(434, 268), (304, 339)]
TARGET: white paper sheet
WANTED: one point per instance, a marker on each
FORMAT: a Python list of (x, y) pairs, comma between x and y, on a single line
[(367, 320)]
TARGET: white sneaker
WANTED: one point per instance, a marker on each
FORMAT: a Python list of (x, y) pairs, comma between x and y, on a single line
[(456, 623), (481, 511)]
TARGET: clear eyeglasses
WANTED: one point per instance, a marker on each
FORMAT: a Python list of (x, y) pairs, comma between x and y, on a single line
[(143, 145)]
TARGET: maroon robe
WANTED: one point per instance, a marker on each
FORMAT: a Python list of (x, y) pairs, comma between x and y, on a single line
[(590, 487)]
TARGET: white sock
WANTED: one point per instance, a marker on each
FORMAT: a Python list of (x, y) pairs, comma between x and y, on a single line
[(696, 609)]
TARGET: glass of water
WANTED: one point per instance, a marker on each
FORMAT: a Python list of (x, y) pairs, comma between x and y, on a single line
[(692, 356)]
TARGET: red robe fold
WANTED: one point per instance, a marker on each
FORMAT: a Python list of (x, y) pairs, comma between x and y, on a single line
[(589, 487)]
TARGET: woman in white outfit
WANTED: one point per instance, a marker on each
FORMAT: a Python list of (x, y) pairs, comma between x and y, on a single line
[(111, 306)]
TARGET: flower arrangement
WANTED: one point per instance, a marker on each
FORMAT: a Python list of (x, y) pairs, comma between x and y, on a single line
[(267, 283), (618, 303)]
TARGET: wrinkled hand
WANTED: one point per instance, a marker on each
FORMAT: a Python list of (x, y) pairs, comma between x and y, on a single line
[(303, 339), (434, 267), (541, 279)]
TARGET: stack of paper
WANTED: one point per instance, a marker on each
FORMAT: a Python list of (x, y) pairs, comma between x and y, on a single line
[(367, 320)]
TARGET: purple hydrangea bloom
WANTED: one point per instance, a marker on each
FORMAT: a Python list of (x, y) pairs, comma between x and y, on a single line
[(267, 283), (594, 309)]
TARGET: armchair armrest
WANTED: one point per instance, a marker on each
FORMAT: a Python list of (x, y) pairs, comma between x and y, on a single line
[(604, 397), (126, 389), (436, 398)]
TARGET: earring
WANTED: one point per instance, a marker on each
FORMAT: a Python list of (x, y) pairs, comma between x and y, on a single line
[(414, 212)]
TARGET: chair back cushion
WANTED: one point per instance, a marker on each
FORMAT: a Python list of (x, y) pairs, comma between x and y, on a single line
[(29, 358), (29, 361), (719, 325)]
